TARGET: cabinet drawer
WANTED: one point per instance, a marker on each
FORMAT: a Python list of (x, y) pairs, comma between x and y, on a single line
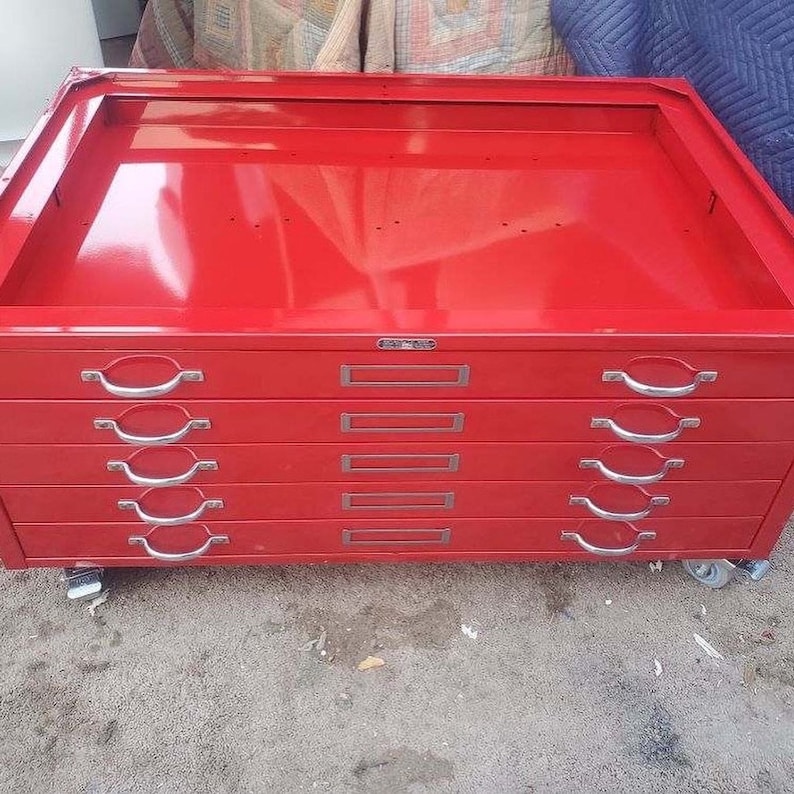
[(35, 464), (290, 501), (211, 374), (230, 422), (341, 540)]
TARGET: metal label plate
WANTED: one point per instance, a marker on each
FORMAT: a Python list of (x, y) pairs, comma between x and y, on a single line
[(406, 344)]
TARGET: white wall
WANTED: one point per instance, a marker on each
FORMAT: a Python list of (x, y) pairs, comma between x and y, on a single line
[(41, 41)]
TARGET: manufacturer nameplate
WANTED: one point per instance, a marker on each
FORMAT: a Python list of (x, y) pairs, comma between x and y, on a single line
[(406, 344)]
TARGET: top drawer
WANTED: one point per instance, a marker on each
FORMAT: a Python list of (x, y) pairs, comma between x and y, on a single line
[(423, 375)]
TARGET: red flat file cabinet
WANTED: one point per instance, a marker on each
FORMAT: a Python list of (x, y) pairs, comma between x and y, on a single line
[(254, 318)]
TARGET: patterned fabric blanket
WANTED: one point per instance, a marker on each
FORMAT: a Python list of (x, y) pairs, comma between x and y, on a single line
[(165, 36), (739, 54), (443, 36)]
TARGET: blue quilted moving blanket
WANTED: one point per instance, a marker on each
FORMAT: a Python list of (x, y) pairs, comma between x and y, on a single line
[(739, 54)]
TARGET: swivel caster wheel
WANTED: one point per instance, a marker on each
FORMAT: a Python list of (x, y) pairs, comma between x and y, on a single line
[(712, 573), (754, 569), (82, 582)]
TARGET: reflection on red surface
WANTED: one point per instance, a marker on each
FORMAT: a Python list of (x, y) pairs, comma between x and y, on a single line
[(213, 217)]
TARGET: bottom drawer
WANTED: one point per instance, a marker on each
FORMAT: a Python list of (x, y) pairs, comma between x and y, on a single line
[(229, 541)]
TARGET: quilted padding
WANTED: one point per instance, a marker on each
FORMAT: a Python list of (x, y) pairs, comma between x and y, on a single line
[(739, 54)]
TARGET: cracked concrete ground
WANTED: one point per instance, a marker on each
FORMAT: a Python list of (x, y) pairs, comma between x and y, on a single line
[(245, 680)]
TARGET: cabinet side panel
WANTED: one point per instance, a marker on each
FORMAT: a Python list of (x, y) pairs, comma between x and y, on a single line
[(775, 520), (10, 550)]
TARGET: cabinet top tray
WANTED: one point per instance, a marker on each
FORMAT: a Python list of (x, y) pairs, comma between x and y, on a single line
[(302, 204)]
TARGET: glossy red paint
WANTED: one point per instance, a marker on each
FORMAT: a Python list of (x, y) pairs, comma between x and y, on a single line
[(140, 150), (10, 551), (385, 540), (389, 462), (354, 421), (368, 375), (266, 233), (288, 501)]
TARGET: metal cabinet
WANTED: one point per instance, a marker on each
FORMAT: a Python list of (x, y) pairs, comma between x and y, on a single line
[(282, 318)]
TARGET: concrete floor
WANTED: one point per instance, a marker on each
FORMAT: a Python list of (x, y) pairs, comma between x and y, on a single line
[(206, 680)]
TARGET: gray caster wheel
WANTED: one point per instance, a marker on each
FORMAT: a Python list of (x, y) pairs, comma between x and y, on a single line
[(755, 569), (82, 582), (712, 573)]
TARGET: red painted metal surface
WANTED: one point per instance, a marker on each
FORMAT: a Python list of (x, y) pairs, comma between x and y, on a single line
[(286, 501), (10, 550), (426, 375), (385, 232), (140, 150), (268, 230), (40, 464), (453, 421), (317, 541)]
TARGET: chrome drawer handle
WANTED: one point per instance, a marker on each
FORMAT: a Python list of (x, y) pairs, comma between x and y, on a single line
[(599, 512), (137, 540), (601, 551), (612, 376), (631, 479), (147, 441), (644, 438), (207, 504), (141, 392), (347, 374), (155, 482)]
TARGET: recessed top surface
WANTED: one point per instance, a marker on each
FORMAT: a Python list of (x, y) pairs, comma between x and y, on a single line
[(378, 205)]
